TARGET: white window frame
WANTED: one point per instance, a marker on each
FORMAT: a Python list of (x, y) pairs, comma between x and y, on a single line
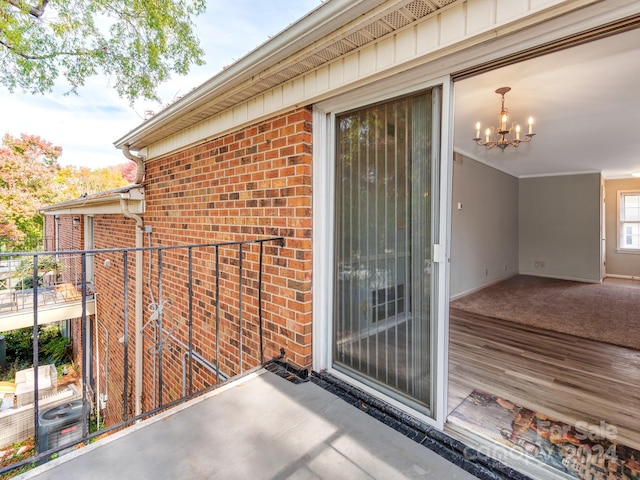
[(324, 230), (619, 221)]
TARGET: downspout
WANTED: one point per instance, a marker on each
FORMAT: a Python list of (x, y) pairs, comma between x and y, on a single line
[(139, 277), (139, 163), (124, 205)]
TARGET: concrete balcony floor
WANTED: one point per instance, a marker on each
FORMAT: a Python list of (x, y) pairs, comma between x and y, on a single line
[(258, 427)]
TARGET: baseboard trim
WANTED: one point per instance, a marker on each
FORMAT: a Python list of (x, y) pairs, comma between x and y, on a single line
[(623, 277), (480, 287), (561, 277)]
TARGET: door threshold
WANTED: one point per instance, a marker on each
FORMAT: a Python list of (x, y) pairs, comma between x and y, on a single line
[(444, 444)]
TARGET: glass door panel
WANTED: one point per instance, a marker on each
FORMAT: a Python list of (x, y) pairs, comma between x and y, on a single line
[(383, 244)]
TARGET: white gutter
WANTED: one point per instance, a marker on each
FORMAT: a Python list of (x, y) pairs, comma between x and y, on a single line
[(124, 204), (317, 24), (104, 203)]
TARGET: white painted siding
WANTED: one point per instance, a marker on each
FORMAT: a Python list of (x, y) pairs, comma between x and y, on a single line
[(455, 25)]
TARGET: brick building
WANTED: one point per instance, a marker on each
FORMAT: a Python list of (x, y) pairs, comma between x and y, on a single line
[(334, 143)]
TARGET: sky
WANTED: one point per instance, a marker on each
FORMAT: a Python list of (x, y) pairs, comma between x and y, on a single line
[(86, 125)]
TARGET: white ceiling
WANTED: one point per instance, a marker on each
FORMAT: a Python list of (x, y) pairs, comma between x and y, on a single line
[(585, 102)]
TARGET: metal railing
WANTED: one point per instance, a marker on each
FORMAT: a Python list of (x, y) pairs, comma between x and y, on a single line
[(56, 279), (201, 322)]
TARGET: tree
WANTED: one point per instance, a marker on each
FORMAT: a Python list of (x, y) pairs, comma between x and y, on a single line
[(28, 166), (31, 178), (74, 182), (138, 43), (129, 171)]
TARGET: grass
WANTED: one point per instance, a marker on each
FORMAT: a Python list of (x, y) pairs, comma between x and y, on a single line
[(18, 452)]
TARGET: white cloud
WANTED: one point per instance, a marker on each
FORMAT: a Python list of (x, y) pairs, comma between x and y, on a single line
[(87, 124)]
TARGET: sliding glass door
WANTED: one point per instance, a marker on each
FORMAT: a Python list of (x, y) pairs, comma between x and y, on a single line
[(386, 177)]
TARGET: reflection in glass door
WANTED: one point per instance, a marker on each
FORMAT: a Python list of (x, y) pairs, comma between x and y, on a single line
[(385, 178)]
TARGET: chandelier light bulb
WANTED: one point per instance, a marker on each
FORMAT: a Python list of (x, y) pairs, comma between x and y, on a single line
[(517, 132)]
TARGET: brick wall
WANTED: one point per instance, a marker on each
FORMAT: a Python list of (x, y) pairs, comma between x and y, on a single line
[(49, 232), (71, 237), (250, 184), (111, 232)]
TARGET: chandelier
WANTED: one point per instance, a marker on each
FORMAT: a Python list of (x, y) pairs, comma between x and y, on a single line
[(503, 136)]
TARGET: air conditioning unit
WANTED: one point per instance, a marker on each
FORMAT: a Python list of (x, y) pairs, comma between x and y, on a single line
[(60, 425)]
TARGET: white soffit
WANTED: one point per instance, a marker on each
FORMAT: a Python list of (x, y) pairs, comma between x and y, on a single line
[(366, 21)]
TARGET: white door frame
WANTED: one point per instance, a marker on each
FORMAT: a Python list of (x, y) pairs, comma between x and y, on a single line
[(323, 232)]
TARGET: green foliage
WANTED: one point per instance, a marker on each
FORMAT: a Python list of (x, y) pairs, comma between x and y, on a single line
[(14, 457), (46, 263), (19, 349), (28, 165), (56, 349), (24, 270), (73, 182), (52, 348), (136, 43), (30, 178), (94, 426)]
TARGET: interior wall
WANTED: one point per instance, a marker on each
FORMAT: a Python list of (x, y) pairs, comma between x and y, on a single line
[(484, 222), (559, 226), (625, 264)]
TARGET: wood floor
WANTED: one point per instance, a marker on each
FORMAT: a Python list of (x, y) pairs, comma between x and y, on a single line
[(564, 377)]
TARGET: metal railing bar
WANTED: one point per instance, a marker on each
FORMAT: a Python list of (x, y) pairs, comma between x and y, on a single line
[(144, 249), (240, 303), (260, 303), (217, 314), (125, 396), (36, 403), (86, 350), (160, 347), (190, 320)]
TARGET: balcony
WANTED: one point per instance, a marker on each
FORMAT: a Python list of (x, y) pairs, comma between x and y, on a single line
[(53, 290), (257, 427), (181, 375)]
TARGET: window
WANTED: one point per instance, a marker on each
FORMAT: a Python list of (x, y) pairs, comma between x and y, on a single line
[(629, 221)]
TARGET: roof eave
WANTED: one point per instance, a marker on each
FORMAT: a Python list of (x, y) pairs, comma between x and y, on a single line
[(100, 204), (325, 19)]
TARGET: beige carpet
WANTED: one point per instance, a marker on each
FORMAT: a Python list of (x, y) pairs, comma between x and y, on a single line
[(601, 312)]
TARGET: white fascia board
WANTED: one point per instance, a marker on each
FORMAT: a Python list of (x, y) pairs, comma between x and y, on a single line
[(100, 205), (317, 24)]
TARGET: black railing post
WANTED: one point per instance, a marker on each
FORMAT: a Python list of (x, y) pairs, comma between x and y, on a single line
[(240, 301), (36, 403), (125, 394), (260, 303), (160, 345), (86, 344), (217, 314), (190, 320)]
